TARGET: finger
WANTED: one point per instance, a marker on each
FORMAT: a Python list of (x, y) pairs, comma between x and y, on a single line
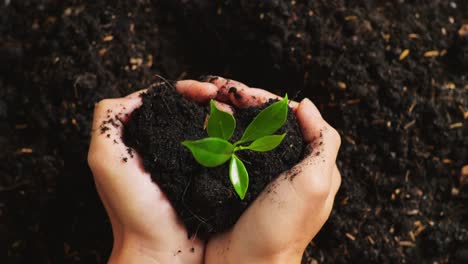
[(200, 92), (106, 137), (106, 145), (310, 120), (224, 107), (267, 96), (233, 92), (314, 173), (336, 181), (241, 95), (330, 201), (197, 91), (136, 94), (108, 156), (109, 114)]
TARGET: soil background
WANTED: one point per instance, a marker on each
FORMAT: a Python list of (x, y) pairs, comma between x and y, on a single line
[(391, 76)]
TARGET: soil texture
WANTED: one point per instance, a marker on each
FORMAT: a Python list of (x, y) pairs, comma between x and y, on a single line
[(203, 197)]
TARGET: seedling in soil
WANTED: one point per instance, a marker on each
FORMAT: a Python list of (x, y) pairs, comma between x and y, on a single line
[(216, 149)]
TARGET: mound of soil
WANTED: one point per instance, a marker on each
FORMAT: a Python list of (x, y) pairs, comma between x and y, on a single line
[(203, 197)]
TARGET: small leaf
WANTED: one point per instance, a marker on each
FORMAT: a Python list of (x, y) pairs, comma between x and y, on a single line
[(220, 124), (265, 143), (210, 152), (239, 176), (266, 122)]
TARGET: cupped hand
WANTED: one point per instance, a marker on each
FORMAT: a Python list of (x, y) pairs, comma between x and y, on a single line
[(280, 223), (276, 227), (144, 224)]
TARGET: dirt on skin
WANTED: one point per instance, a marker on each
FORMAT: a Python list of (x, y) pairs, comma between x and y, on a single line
[(391, 76), (203, 197)]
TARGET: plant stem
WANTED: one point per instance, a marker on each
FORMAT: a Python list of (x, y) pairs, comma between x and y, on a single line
[(238, 142), (239, 148)]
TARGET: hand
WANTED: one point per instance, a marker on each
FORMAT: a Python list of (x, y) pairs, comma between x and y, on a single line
[(275, 228), (144, 224), (279, 224)]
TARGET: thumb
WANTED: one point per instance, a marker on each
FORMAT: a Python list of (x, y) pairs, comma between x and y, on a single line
[(312, 177)]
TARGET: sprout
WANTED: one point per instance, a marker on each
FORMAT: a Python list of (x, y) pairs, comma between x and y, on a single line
[(215, 150)]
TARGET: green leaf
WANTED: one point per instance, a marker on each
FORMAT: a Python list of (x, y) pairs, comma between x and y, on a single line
[(265, 143), (220, 124), (239, 176), (266, 122), (210, 152)]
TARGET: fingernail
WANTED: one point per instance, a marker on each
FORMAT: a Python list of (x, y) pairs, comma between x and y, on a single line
[(312, 108)]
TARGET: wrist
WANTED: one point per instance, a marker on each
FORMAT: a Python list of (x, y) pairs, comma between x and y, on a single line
[(223, 250), (130, 251)]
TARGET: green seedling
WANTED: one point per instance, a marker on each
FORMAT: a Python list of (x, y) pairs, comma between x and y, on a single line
[(216, 149)]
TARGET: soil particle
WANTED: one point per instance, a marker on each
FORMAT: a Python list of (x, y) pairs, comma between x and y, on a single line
[(233, 90), (130, 152), (104, 129)]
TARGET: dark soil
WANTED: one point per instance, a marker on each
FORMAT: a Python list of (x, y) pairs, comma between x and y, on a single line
[(203, 197), (402, 121)]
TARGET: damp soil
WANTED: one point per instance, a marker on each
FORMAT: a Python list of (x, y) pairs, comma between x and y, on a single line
[(391, 77), (203, 197)]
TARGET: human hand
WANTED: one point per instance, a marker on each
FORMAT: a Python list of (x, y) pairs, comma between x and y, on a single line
[(144, 224), (279, 224)]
